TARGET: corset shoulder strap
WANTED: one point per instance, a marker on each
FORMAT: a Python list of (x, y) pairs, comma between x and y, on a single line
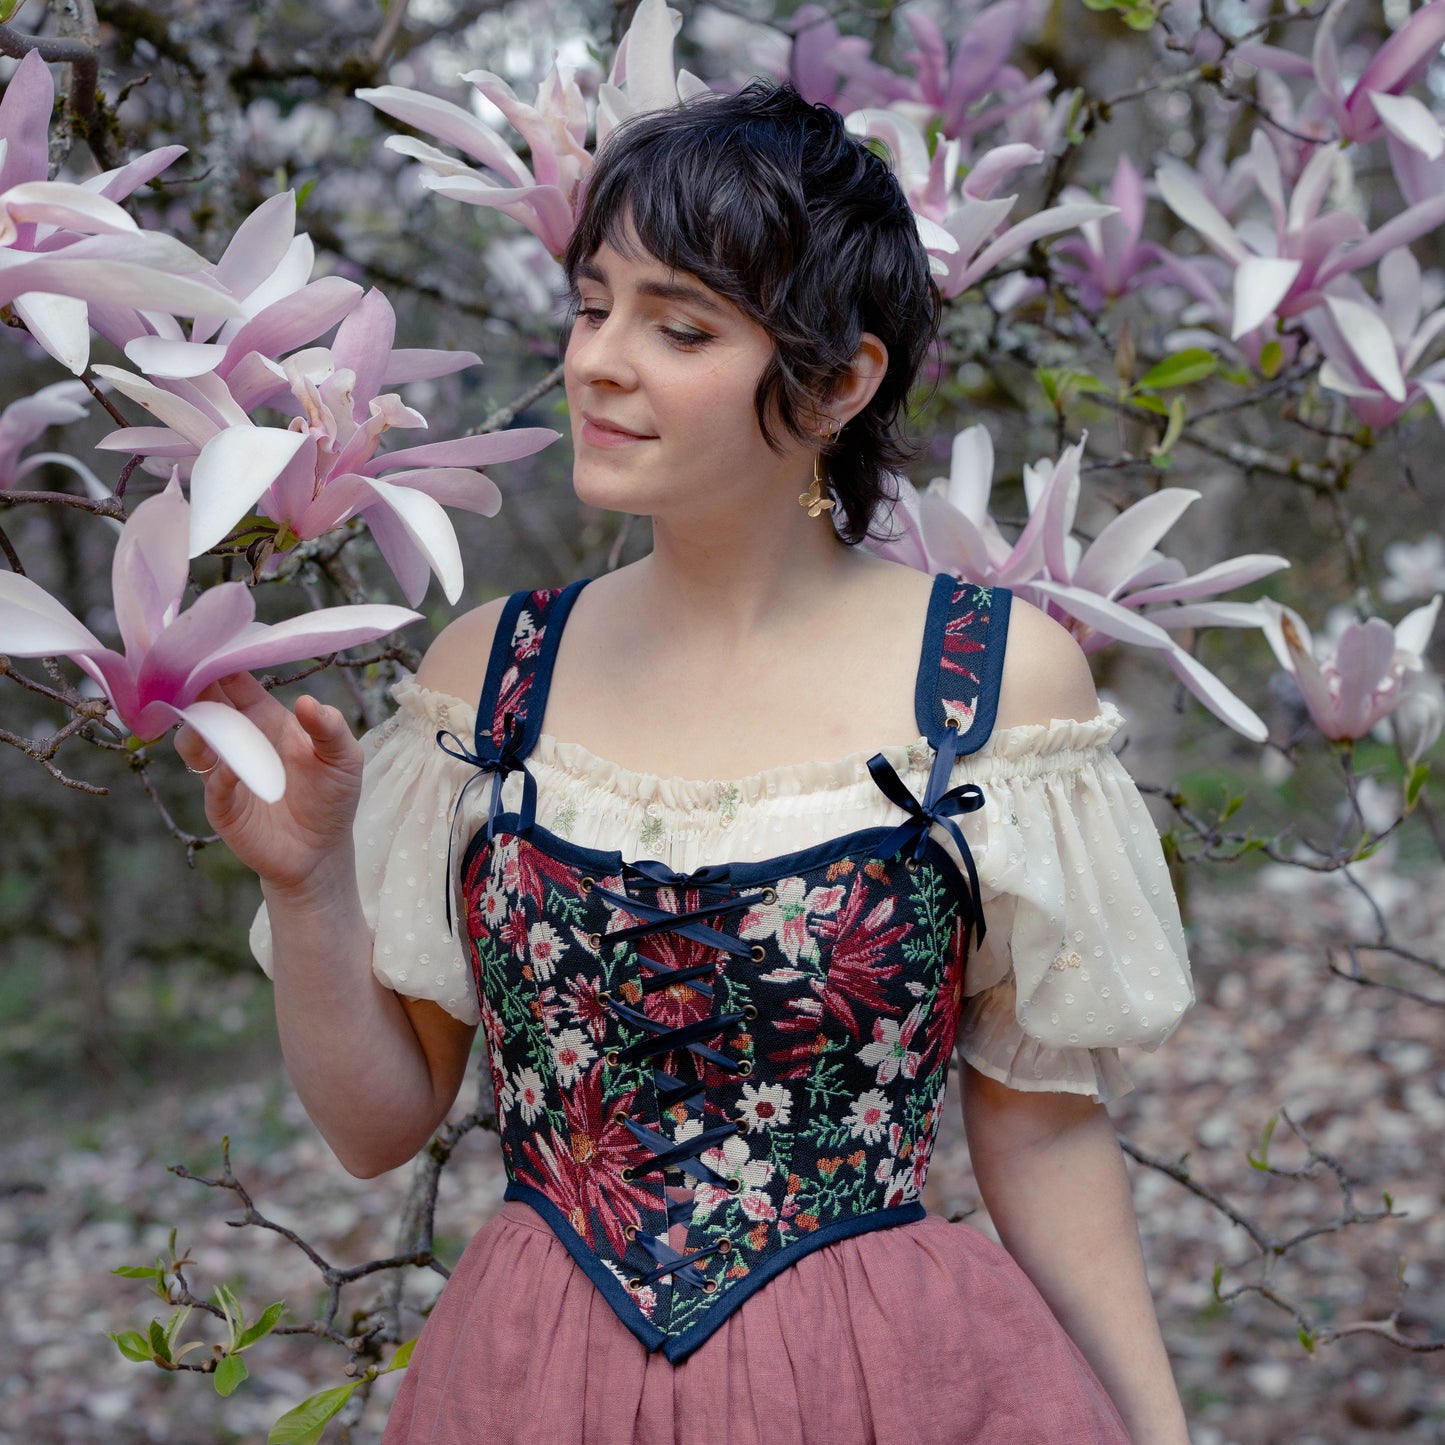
[(962, 662), (519, 673)]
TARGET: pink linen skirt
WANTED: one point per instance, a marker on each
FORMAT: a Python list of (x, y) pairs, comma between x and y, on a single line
[(923, 1334)]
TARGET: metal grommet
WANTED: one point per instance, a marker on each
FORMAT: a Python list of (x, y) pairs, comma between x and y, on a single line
[(770, 895), (619, 1116), (634, 1285), (750, 1010), (625, 1174), (594, 941), (604, 996), (745, 1067), (587, 884), (724, 1246), (951, 723), (612, 1057), (735, 1185), (758, 953), (910, 865), (710, 1287), (630, 1230)]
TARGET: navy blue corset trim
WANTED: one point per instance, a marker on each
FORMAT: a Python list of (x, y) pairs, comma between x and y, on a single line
[(747, 1061)]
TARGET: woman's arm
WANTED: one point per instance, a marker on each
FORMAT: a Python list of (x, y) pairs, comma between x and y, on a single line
[(1052, 1176), (376, 1072)]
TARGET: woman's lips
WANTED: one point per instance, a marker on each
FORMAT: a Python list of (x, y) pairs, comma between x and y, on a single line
[(597, 432)]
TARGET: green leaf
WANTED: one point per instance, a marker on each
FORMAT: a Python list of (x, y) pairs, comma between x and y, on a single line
[(139, 1271), (160, 1344), (304, 1424), (401, 1359), (133, 1346), (1181, 369), (1140, 19), (1231, 807), (1218, 1278), (305, 191), (1416, 785), (1271, 358), (1062, 382), (1160, 455), (270, 1318), (1262, 1162), (1307, 1339), (7, 9), (1149, 403), (230, 1372)]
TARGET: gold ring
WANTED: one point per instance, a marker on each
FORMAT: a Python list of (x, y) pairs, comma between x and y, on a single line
[(201, 772)]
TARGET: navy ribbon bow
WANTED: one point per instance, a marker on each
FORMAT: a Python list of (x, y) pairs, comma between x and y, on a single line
[(941, 806), (499, 765)]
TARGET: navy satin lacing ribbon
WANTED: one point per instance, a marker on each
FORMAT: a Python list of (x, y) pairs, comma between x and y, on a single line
[(666, 1154), (940, 807), (506, 760)]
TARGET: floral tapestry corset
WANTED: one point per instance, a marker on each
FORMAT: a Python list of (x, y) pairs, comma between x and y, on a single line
[(702, 1077)]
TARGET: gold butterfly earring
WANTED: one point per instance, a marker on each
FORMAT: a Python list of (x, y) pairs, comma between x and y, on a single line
[(816, 498)]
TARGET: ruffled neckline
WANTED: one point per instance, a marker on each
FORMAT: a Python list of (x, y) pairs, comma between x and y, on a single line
[(1025, 741)]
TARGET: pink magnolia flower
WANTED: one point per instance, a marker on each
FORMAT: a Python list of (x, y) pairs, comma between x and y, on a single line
[(958, 215), (1108, 258), (1286, 274), (1374, 103), (1365, 677), (325, 468), (830, 68), (172, 656), (1373, 353), (24, 421), (1118, 589), (957, 92), (64, 245), (543, 196)]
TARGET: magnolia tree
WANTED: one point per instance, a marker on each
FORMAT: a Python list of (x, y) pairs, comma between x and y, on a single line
[(1212, 255)]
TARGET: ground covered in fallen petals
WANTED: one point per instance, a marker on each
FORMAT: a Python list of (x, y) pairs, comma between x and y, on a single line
[(1362, 1071)]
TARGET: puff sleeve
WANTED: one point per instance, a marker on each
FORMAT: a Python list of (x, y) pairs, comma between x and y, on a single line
[(403, 823), (1085, 951)]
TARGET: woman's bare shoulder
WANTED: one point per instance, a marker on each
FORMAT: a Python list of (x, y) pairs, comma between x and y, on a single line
[(456, 662), (1045, 673)]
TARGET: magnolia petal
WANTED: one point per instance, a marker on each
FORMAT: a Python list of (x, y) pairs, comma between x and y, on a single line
[(25, 122), (117, 184), (1334, 377), (970, 477), (1364, 657), (362, 344), (1408, 226), (61, 324), (1216, 696), (293, 320), (453, 487), (907, 145), (177, 413), (1221, 577), (148, 573), (1410, 121), (428, 532), (151, 441), (119, 282), (158, 357), (260, 245), (1369, 338), (1260, 284), (998, 165), (650, 78), (34, 624), (230, 475), (935, 238), (1180, 191), (1206, 614), (1413, 632), (449, 123), (420, 363), (1106, 616), (487, 449), (240, 744), (313, 634), (1125, 542), (65, 206), (1035, 228), (904, 542)]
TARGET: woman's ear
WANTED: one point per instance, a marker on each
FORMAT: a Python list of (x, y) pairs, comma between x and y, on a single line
[(854, 389)]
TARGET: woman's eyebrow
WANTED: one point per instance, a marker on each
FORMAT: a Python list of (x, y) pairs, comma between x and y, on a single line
[(689, 295)]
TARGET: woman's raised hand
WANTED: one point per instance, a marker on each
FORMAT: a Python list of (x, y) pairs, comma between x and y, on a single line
[(294, 844)]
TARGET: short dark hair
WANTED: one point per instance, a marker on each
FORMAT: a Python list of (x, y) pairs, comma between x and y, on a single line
[(769, 201)]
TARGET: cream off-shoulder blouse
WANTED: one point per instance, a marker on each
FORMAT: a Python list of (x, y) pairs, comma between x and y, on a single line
[(1084, 953)]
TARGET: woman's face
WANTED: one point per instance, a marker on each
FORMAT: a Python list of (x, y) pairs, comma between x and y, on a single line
[(661, 375)]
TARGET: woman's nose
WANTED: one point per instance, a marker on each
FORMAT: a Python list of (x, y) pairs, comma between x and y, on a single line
[(599, 354)]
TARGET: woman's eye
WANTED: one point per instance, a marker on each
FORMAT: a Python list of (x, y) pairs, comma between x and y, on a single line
[(593, 315), (681, 336)]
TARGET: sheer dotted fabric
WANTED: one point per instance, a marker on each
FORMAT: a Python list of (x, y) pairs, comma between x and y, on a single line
[(1085, 952)]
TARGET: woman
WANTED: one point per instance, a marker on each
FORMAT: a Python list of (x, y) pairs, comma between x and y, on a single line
[(718, 1013)]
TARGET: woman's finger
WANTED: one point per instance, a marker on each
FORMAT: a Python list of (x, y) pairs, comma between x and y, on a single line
[(197, 754), (327, 728)]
